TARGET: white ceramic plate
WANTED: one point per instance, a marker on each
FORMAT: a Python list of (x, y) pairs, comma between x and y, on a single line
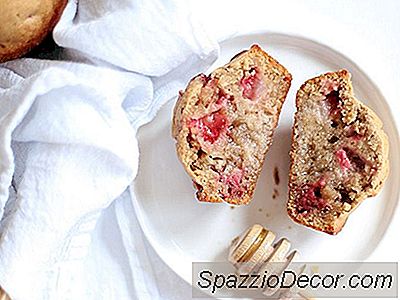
[(183, 230)]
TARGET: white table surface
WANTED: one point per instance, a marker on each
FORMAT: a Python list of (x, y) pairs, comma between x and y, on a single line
[(340, 23)]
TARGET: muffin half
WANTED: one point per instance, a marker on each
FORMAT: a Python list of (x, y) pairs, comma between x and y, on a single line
[(339, 153), (223, 125)]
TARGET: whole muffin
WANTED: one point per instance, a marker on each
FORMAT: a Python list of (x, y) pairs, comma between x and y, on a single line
[(24, 24)]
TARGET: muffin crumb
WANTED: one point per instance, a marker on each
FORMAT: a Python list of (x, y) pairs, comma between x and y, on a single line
[(275, 194), (276, 176)]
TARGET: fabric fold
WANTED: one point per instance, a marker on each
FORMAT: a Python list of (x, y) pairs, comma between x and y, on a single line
[(81, 154), (68, 142), (148, 37)]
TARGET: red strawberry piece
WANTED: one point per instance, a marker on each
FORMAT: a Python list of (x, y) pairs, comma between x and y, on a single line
[(343, 159), (249, 84), (310, 196), (333, 101), (211, 126), (234, 184)]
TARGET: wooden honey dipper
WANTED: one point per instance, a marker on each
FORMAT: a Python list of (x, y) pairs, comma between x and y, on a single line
[(255, 252)]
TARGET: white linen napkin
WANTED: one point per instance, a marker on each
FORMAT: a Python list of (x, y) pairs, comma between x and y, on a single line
[(148, 37), (75, 152), (67, 139)]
